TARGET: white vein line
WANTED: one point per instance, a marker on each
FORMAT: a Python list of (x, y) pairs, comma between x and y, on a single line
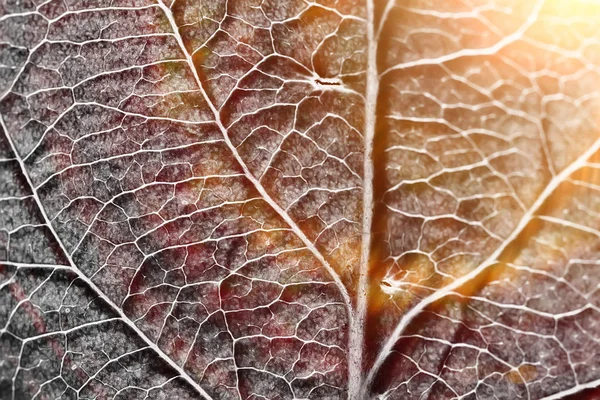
[(89, 282), (494, 49), (309, 245), (357, 327), (67, 331), (575, 389), (19, 265), (491, 260), (384, 16)]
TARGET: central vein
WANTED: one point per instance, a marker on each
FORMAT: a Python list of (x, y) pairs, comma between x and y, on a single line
[(357, 329)]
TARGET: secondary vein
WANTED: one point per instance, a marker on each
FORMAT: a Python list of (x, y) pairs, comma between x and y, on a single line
[(491, 260), (259, 187), (90, 283)]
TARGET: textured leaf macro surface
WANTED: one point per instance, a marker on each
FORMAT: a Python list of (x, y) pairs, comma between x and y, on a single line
[(293, 199)]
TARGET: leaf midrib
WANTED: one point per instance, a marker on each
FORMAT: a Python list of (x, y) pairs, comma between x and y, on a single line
[(357, 332)]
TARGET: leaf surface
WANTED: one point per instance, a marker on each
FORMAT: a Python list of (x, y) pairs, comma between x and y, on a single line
[(290, 199)]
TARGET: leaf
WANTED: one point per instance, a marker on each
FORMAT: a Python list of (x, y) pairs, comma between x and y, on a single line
[(289, 199)]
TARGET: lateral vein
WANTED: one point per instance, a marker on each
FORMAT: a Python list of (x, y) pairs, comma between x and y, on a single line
[(90, 283), (491, 260), (309, 245)]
